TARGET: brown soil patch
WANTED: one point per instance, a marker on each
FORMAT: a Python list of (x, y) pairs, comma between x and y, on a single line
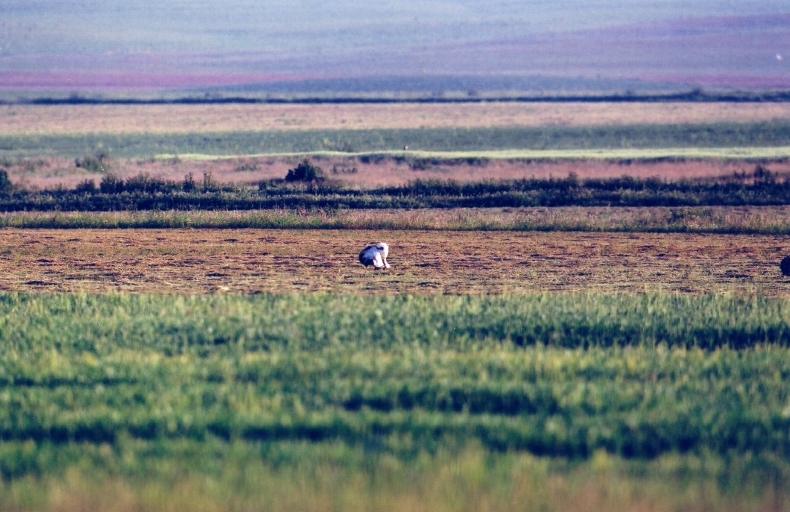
[(52, 119), (423, 262)]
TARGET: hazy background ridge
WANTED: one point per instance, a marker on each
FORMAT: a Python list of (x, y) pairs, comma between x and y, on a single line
[(76, 44)]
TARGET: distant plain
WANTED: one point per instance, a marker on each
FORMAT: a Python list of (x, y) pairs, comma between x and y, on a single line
[(246, 143), (73, 119)]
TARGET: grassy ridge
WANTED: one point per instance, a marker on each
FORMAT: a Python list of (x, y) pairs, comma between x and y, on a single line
[(764, 134)]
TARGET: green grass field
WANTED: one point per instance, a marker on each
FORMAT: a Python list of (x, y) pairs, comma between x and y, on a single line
[(333, 402), (744, 220), (729, 153), (531, 142)]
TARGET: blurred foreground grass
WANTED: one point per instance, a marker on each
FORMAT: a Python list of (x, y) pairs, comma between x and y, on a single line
[(286, 476), (327, 402)]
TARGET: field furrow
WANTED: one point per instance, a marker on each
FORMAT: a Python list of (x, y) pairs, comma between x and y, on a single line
[(424, 262)]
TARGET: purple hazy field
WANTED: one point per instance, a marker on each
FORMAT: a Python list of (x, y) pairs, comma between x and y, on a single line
[(128, 45)]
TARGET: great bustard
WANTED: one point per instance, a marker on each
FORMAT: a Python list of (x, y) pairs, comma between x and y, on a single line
[(375, 254)]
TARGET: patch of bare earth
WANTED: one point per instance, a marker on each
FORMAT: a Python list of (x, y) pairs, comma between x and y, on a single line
[(53, 119), (423, 262)]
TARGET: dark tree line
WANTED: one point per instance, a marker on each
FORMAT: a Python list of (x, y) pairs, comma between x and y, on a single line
[(306, 186)]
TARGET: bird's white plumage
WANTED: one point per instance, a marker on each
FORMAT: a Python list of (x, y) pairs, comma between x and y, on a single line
[(375, 254)]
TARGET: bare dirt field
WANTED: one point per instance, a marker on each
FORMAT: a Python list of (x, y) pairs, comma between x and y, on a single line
[(423, 262), (62, 119), (51, 172)]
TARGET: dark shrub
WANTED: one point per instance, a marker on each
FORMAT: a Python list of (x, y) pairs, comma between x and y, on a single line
[(5, 184), (138, 183), (86, 187), (143, 183), (111, 184), (305, 172), (188, 185), (209, 185), (763, 173)]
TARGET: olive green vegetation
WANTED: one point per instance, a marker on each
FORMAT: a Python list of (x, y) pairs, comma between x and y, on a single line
[(713, 135), (416, 158), (329, 402), (774, 220)]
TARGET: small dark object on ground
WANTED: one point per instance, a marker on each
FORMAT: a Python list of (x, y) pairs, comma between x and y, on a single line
[(785, 266)]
